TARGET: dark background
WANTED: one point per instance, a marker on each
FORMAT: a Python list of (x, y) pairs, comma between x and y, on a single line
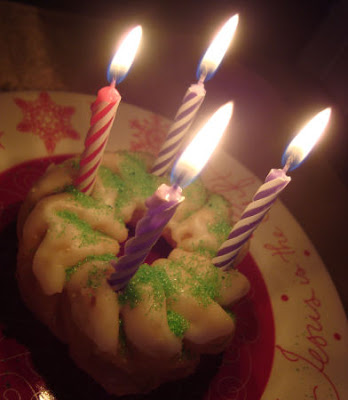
[(299, 47)]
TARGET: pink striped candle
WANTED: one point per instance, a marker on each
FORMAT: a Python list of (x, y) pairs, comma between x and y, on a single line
[(103, 115), (193, 98), (163, 204), (267, 194), (104, 112)]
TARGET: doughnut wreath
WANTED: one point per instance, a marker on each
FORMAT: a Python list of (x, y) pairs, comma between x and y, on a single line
[(171, 311)]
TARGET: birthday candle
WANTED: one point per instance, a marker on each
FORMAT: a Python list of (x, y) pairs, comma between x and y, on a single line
[(163, 204), (103, 113), (194, 98), (267, 194), (161, 207)]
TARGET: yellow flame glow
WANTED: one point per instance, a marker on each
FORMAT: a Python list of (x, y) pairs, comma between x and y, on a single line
[(218, 47), (125, 54), (198, 152), (305, 140)]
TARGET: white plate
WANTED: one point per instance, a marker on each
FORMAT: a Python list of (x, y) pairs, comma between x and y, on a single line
[(307, 351)]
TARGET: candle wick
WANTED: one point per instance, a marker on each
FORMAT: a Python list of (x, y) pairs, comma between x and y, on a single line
[(178, 180), (288, 163), (113, 83), (202, 78)]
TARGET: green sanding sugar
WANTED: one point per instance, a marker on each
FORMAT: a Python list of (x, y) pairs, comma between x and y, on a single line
[(196, 192), (220, 229), (75, 164), (95, 277), (84, 200), (231, 314), (133, 171), (132, 182), (122, 338), (111, 180), (218, 203), (205, 285), (156, 278), (87, 235), (177, 323), (69, 271), (201, 249)]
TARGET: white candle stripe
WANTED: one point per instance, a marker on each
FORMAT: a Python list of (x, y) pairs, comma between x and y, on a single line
[(94, 148), (104, 120), (182, 123), (275, 182), (168, 156), (177, 138), (96, 144), (233, 241)]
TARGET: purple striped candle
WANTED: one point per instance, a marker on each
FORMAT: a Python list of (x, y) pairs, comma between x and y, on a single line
[(163, 204), (262, 201), (182, 122), (161, 207), (275, 182), (194, 98)]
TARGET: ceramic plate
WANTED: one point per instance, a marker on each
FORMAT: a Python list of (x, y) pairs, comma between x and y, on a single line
[(291, 341)]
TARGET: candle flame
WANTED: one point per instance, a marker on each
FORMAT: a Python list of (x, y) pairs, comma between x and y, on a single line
[(198, 152), (124, 56), (217, 49), (304, 141)]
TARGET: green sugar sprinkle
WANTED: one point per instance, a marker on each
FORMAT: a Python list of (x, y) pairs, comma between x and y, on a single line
[(177, 323), (132, 181), (205, 287), (196, 192), (207, 283), (87, 235), (201, 249), (122, 338), (69, 271), (220, 229), (187, 354), (75, 164), (114, 181), (231, 314), (218, 203), (84, 200), (95, 277), (133, 171), (156, 278), (110, 179)]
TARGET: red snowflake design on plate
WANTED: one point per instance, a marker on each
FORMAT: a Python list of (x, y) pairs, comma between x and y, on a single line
[(1, 145), (47, 120), (149, 133)]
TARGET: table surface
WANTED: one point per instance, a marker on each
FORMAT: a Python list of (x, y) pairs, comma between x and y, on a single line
[(54, 50)]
